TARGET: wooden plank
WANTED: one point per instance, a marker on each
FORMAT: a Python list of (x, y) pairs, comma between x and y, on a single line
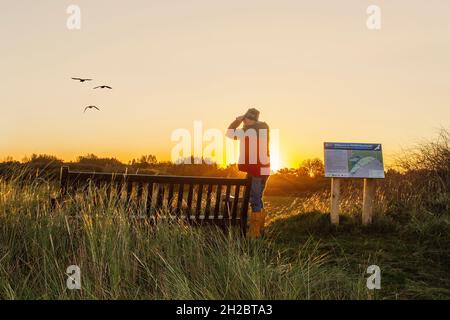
[(109, 187), (218, 198), (368, 201), (226, 203), (160, 197), (235, 203), (119, 186), (149, 198), (129, 190), (335, 195), (140, 189), (170, 197), (198, 207), (208, 201), (139, 198), (189, 201), (185, 179), (83, 176), (180, 199)]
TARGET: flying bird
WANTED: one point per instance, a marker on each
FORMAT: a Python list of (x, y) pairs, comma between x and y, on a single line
[(103, 87), (81, 79), (91, 107)]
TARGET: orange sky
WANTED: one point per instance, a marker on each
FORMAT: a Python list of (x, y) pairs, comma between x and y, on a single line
[(312, 68)]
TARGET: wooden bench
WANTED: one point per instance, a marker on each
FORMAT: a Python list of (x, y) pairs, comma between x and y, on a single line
[(198, 200)]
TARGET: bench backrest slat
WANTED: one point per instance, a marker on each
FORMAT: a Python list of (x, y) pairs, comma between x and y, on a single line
[(235, 202), (149, 198), (208, 201), (199, 201), (189, 200), (226, 203), (218, 197), (160, 197), (170, 196), (129, 190), (140, 190), (145, 178), (180, 199)]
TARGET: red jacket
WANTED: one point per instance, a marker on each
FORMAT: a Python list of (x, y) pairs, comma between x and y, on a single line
[(254, 155)]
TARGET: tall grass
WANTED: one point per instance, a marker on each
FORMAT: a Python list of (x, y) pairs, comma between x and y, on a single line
[(128, 258), (303, 256)]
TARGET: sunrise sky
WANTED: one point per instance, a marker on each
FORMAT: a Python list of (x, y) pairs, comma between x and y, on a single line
[(312, 68)]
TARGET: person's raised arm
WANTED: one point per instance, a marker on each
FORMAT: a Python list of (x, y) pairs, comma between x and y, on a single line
[(236, 123)]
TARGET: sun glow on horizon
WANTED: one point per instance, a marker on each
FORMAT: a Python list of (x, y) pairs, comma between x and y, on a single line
[(310, 68)]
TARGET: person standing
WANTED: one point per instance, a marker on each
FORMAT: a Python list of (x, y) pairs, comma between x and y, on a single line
[(254, 159)]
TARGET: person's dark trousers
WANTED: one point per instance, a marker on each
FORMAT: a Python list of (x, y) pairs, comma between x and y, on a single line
[(256, 192)]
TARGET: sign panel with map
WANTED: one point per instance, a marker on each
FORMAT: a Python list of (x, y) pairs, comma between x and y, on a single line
[(353, 160)]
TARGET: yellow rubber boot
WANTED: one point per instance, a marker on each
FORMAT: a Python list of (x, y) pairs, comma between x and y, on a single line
[(256, 224)]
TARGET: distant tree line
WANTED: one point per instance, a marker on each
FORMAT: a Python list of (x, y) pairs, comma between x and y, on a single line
[(422, 173), (308, 177)]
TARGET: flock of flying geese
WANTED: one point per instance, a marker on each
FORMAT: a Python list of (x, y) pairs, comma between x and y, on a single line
[(98, 87)]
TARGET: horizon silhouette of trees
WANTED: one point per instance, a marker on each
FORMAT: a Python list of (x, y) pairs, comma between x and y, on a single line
[(424, 167), (307, 177)]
